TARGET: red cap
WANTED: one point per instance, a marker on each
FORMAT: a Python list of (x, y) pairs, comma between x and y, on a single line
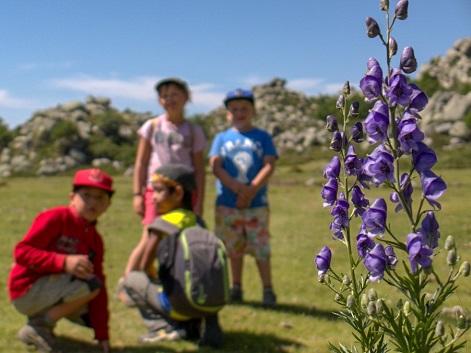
[(94, 178)]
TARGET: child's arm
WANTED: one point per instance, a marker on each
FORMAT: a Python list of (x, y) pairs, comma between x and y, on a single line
[(224, 177), (140, 174), (248, 192), (150, 250), (200, 179)]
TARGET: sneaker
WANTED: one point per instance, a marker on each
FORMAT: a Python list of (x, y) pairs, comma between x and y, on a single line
[(212, 335), (236, 294), (40, 337), (164, 334), (269, 298), (122, 295)]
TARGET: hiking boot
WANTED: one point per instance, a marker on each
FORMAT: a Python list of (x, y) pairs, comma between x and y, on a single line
[(212, 335), (269, 298), (164, 334), (41, 337), (236, 294), (122, 295)]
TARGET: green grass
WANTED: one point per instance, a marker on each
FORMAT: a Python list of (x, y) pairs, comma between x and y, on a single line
[(303, 321)]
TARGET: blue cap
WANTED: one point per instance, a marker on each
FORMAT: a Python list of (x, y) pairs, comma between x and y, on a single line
[(239, 94)]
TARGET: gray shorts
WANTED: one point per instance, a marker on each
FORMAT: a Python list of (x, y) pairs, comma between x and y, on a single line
[(52, 290)]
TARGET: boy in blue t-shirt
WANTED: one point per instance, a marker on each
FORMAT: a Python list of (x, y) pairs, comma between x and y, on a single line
[(243, 158)]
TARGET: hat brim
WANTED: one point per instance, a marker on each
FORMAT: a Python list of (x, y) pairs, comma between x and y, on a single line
[(160, 224)]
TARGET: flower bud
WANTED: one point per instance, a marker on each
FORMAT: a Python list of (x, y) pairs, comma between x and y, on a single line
[(452, 257), (392, 47), (332, 124), (372, 27), (428, 270), (371, 310), (350, 301), (406, 308), (346, 88), (399, 304), (380, 305), (337, 141), (353, 112), (450, 242), (401, 9), (357, 132), (338, 297), (408, 63), (340, 102), (364, 301), (346, 280), (321, 277), (440, 328), (464, 269), (384, 5), (372, 295), (462, 322)]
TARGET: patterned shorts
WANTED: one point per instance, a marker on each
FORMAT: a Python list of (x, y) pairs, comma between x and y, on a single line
[(244, 231)]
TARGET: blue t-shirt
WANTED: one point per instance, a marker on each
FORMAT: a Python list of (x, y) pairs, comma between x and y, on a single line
[(242, 155)]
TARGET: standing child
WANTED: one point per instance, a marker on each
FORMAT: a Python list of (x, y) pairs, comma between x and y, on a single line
[(168, 138), (58, 269), (243, 159), (173, 185)]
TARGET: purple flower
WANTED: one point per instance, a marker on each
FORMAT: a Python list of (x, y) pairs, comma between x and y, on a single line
[(408, 62), (357, 132), (401, 9), (418, 253), (340, 102), (374, 218), (329, 192), (379, 165), (391, 256), (392, 45), (399, 91), (346, 88), (372, 82), (424, 158), (372, 27), (322, 260), (339, 141), (337, 231), (340, 211), (364, 242), (418, 99), (333, 168), (408, 133), (352, 163), (429, 231), (359, 201), (362, 177), (406, 190), (377, 122), (433, 187), (332, 124), (375, 262), (353, 111)]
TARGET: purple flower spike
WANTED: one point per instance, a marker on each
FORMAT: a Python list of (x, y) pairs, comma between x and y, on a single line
[(424, 158), (333, 168), (418, 99), (332, 124), (372, 27), (364, 242), (323, 259), (357, 132), (359, 201), (418, 253), (399, 91), (375, 262), (377, 122), (374, 218), (409, 133), (408, 62), (329, 192), (379, 166), (429, 231), (433, 187), (401, 10)]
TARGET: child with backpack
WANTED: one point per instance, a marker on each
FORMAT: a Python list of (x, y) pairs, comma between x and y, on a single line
[(167, 138), (180, 305)]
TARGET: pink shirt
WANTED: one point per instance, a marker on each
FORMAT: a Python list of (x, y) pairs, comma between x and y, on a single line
[(171, 143)]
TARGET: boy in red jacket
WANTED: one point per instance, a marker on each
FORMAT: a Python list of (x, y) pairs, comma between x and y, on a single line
[(58, 265)]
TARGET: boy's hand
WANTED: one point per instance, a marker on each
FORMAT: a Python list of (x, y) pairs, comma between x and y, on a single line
[(78, 265), (245, 196), (105, 346)]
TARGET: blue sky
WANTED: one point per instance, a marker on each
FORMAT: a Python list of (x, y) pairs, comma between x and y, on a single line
[(53, 52)]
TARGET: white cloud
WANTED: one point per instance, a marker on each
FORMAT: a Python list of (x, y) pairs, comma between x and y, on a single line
[(12, 102), (205, 96), (305, 84)]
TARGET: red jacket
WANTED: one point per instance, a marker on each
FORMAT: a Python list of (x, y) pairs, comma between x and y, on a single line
[(54, 234)]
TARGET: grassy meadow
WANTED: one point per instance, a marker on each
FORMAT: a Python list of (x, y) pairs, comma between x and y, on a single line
[(303, 320)]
